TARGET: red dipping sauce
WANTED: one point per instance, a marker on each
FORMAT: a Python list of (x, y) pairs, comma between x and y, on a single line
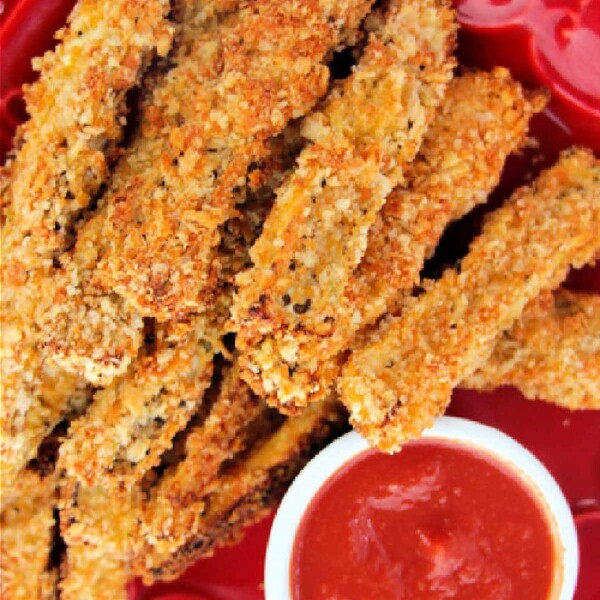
[(439, 520)]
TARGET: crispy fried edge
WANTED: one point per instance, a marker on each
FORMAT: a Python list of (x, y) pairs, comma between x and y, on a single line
[(552, 353), (398, 382), (250, 489)]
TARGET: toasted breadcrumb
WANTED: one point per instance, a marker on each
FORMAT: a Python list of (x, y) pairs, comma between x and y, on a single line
[(77, 111), (27, 525), (133, 421), (98, 527), (552, 353), (171, 514), (248, 490), (89, 331), (369, 128), (398, 382), (161, 260), (158, 230), (483, 118)]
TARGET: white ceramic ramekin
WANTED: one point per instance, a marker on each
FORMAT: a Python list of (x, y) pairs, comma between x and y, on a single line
[(488, 439)]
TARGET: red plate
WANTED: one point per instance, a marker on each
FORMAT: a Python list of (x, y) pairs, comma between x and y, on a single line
[(554, 43)]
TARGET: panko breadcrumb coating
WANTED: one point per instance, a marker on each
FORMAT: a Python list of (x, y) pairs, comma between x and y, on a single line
[(552, 353), (177, 502), (27, 532), (247, 491), (156, 237), (98, 527), (482, 119), (88, 331), (370, 127), (77, 110), (399, 381), (133, 421)]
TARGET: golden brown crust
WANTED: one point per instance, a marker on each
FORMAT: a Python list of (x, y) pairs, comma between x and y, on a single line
[(77, 110), (155, 240), (27, 531), (369, 128), (246, 492), (133, 421), (483, 118), (552, 353), (398, 382), (98, 527)]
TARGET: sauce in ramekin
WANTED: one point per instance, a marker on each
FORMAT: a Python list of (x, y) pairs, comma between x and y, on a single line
[(438, 520)]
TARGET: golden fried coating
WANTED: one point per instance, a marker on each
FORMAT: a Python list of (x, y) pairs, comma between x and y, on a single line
[(552, 353), (177, 502), (246, 492), (88, 331), (133, 421), (160, 260), (27, 531), (98, 527), (483, 119), (369, 129), (155, 240), (241, 231), (398, 382), (77, 110)]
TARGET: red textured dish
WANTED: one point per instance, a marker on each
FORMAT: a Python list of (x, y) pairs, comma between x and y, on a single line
[(554, 43)]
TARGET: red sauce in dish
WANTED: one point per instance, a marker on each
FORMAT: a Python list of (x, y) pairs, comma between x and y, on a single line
[(436, 521)]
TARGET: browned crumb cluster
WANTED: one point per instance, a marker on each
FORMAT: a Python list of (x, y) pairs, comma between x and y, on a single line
[(370, 127), (551, 353), (399, 381)]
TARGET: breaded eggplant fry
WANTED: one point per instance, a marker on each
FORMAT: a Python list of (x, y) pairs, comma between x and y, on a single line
[(247, 491), (552, 353), (77, 110), (27, 531), (398, 382), (158, 233), (178, 500), (88, 331), (133, 421), (369, 129), (99, 528), (483, 118)]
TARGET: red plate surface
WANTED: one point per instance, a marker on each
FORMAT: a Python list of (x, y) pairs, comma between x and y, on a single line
[(554, 43)]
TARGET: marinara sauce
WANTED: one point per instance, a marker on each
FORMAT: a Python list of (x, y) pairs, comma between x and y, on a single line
[(438, 520)]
